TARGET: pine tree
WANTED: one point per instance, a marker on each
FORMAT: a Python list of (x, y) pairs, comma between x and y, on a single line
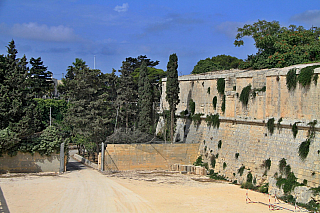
[(172, 89), (88, 115), (145, 100), (39, 78), (126, 98)]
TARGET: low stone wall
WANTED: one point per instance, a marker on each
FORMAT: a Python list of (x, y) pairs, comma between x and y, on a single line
[(28, 163), (86, 161), (149, 156)]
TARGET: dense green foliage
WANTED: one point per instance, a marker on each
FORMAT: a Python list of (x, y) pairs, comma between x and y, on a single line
[(219, 62), (213, 120), (145, 100), (20, 118), (241, 170), (221, 85), (306, 75), (196, 119), (279, 46), (192, 106), (294, 129), (172, 89)]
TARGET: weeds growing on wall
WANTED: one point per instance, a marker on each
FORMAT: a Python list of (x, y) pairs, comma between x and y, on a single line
[(213, 120), (256, 90), (245, 94), (249, 177), (266, 164), (294, 129), (214, 102), (184, 113), (199, 161), (303, 149), (241, 170), (306, 75), (224, 165), (291, 79), (196, 119), (221, 86), (282, 165), (236, 155), (234, 88), (213, 161), (208, 90), (264, 188), (270, 125), (219, 144), (223, 105), (192, 106)]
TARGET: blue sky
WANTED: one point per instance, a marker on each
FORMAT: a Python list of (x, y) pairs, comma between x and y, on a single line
[(60, 31)]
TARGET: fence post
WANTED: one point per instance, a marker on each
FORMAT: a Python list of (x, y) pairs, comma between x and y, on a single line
[(61, 170), (102, 157)]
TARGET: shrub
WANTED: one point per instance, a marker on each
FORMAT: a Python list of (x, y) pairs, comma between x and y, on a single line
[(198, 161), (267, 164), (291, 79), (214, 102), (303, 149), (244, 95), (219, 144), (208, 90), (248, 185), (288, 183), (224, 165), (216, 176), (220, 86), (264, 188)]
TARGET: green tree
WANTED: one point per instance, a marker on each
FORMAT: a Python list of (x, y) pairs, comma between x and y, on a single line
[(127, 98), (88, 113), (172, 89), (39, 79), (145, 100), (219, 62), (279, 46), (19, 116)]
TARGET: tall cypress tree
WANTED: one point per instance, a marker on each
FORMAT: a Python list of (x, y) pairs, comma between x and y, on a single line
[(172, 89), (145, 99)]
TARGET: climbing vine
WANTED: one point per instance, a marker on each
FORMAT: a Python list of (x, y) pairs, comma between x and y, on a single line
[(294, 129), (291, 79), (192, 106), (303, 149), (214, 102), (221, 86), (306, 75), (223, 105), (270, 125), (196, 119), (244, 95)]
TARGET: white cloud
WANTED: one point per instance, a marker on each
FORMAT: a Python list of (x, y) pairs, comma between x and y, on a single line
[(311, 17), (42, 32), (229, 28), (123, 8)]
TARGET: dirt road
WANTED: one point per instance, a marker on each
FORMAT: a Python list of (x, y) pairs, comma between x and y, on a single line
[(83, 189)]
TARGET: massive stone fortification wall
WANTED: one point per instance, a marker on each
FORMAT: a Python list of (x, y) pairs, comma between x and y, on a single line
[(243, 128)]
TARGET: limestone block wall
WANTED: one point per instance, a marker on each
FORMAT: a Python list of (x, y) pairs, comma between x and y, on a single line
[(149, 156), (243, 128), (26, 162)]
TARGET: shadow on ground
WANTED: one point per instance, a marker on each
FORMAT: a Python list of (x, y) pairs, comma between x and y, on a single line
[(3, 204)]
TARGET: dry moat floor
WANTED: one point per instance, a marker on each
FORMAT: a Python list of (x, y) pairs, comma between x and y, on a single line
[(82, 189)]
